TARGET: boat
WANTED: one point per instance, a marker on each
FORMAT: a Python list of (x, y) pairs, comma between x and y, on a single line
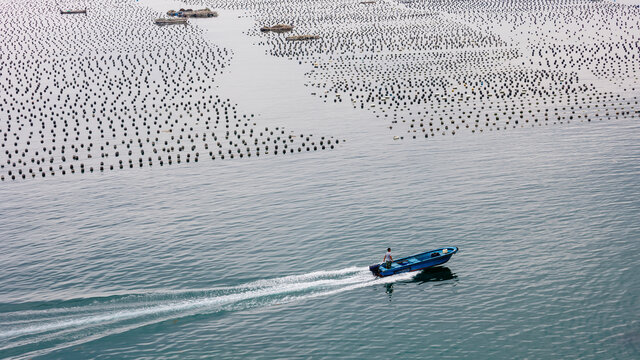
[(302, 37), (83, 11), (171, 21), (279, 28), (416, 262), (186, 13)]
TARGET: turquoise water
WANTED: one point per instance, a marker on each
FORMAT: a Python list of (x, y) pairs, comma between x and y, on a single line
[(268, 258)]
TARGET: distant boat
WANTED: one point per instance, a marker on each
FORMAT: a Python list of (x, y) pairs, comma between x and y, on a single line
[(416, 262), (84, 11), (201, 13), (171, 21)]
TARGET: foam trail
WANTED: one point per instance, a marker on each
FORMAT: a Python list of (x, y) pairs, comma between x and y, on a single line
[(309, 276), (314, 281), (85, 325), (386, 280)]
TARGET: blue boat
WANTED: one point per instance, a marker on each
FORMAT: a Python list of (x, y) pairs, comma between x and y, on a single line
[(415, 262)]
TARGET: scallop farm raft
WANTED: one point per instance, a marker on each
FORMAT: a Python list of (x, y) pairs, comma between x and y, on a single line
[(75, 100)]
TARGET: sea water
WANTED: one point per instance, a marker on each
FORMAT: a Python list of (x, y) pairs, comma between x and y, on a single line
[(267, 257)]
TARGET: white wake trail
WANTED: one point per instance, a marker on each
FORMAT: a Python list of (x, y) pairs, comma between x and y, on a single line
[(319, 283)]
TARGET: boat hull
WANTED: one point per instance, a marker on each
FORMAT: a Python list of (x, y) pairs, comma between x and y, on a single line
[(416, 262)]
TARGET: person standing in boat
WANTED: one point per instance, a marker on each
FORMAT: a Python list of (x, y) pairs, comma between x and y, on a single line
[(388, 259)]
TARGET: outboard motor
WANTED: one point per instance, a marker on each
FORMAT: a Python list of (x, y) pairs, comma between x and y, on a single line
[(375, 269)]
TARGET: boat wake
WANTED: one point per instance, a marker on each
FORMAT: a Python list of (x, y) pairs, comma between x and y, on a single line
[(61, 324)]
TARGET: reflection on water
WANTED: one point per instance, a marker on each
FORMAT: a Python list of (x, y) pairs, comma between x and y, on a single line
[(438, 273), (389, 290)]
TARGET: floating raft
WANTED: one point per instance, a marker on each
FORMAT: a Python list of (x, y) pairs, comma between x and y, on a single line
[(277, 28), (84, 11), (186, 13), (171, 21), (302, 37)]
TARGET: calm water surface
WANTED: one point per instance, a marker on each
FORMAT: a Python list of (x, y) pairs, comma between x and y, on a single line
[(267, 257)]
